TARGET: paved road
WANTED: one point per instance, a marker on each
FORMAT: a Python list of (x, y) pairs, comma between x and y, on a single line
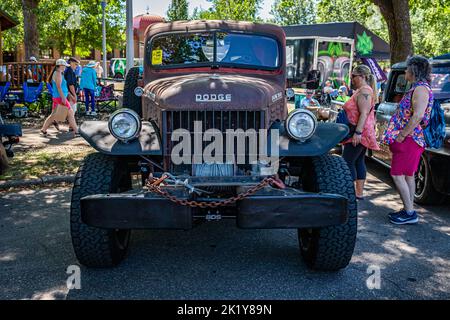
[(219, 261)]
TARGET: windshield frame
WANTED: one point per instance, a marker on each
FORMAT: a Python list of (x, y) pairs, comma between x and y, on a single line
[(213, 64)]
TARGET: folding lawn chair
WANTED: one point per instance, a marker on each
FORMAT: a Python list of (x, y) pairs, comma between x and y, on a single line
[(4, 87), (106, 99), (32, 91)]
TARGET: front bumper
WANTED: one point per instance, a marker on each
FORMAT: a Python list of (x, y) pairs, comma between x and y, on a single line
[(267, 209)]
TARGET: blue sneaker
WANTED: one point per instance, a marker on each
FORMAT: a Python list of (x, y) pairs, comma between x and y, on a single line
[(405, 218), (395, 214)]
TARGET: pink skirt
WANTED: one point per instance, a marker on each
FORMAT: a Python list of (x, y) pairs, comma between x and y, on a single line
[(405, 157)]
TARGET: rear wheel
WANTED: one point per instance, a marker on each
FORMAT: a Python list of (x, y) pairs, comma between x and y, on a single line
[(96, 247), (425, 191), (329, 248), (130, 100)]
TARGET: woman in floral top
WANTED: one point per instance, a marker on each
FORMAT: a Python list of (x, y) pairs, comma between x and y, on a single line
[(404, 136)]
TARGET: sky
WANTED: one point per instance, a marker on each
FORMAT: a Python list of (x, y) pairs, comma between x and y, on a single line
[(159, 7)]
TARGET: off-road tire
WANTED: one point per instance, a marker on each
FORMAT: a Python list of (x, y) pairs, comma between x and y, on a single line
[(96, 247), (130, 100), (329, 248), (426, 193), (3, 158)]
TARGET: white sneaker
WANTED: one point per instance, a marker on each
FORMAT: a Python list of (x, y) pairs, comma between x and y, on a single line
[(88, 113), (93, 113)]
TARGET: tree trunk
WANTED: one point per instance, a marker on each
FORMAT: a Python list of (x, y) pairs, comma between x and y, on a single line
[(72, 35), (396, 14), (31, 32)]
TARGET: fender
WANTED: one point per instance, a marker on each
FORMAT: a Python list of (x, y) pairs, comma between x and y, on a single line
[(97, 134), (326, 137)]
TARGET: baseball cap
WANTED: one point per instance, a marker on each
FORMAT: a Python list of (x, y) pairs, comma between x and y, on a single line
[(342, 89), (33, 59), (61, 62)]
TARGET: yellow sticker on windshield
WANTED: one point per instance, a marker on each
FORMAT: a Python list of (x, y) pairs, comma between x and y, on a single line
[(157, 57)]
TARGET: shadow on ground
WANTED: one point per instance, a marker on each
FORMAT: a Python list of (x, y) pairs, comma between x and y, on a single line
[(219, 261)]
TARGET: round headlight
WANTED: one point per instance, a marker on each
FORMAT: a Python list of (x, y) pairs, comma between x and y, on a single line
[(125, 125), (301, 124)]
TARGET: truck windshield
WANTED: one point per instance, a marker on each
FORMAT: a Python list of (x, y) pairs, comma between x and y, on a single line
[(440, 79), (440, 83), (215, 48)]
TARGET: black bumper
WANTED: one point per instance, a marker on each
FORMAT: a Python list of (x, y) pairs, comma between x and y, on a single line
[(267, 209)]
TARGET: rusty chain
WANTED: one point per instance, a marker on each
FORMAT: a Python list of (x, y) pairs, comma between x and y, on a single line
[(154, 185)]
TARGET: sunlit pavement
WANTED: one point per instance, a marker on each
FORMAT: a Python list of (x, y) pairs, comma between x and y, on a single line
[(219, 261)]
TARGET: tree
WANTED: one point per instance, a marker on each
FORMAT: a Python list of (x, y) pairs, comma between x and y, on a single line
[(362, 11), (287, 12), (31, 32), (429, 23), (243, 10), (178, 10), (76, 24), (13, 36), (389, 19), (396, 14)]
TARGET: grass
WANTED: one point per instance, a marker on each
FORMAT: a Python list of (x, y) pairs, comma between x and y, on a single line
[(35, 164)]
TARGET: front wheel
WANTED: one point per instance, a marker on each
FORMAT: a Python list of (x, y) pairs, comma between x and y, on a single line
[(329, 248), (96, 247), (3, 158)]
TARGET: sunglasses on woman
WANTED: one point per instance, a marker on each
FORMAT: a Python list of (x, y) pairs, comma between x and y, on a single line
[(356, 75)]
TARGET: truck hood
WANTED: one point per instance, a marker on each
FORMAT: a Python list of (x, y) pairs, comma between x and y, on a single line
[(214, 91)]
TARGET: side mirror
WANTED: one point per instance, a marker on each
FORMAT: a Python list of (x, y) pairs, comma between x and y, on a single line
[(290, 93), (139, 92)]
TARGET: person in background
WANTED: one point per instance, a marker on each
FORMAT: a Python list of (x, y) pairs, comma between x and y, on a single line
[(72, 83), (308, 100), (360, 109), (342, 97), (88, 84), (34, 72), (405, 138), (60, 92), (328, 88), (99, 70)]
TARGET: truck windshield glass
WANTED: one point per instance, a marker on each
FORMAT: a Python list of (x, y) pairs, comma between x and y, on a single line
[(440, 79), (440, 83), (219, 48)]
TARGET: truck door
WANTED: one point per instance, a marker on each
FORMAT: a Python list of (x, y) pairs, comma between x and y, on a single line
[(396, 88)]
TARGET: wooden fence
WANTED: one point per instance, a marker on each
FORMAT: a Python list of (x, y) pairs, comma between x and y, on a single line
[(20, 72)]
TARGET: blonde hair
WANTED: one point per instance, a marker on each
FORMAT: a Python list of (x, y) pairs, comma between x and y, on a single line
[(370, 79)]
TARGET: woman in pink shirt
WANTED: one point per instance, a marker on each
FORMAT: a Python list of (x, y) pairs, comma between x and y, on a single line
[(360, 112)]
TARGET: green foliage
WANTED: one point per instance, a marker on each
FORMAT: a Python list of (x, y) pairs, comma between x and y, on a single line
[(243, 10), (288, 12), (61, 30), (430, 21), (178, 10), (54, 25), (14, 36), (362, 11)]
